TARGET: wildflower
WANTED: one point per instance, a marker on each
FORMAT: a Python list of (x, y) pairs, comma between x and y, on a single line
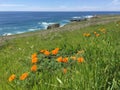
[(60, 59), (73, 58), (34, 68), (86, 34), (35, 60), (80, 52), (64, 70), (65, 60), (102, 29), (80, 59), (12, 77), (42, 51), (55, 51), (97, 35), (34, 55), (24, 76), (47, 53), (95, 32)]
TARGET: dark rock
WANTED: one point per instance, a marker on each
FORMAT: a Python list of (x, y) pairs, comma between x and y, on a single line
[(78, 20), (53, 26)]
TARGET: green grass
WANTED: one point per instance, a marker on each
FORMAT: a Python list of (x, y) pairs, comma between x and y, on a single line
[(101, 70)]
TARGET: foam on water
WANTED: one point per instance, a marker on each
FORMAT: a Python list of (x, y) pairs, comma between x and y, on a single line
[(77, 17), (45, 24), (20, 22), (7, 34), (19, 32), (32, 29), (89, 16), (64, 22)]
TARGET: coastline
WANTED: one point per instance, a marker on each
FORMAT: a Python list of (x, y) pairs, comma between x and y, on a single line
[(21, 22), (103, 19), (95, 41)]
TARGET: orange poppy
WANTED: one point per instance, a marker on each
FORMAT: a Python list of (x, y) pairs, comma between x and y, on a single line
[(65, 60), (97, 35), (24, 76), (42, 51), (34, 68), (12, 77), (47, 53), (34, 55), (80, 59), (64, 70), (59, 59), (35, 60), (55, 51)]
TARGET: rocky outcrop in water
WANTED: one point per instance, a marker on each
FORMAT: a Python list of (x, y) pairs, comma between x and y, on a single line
[(78, 20), (53, 26)]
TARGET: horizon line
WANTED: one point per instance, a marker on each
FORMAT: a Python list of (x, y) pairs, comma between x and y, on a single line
[(62, 11)]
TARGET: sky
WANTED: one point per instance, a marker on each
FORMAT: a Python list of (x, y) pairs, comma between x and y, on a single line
[(59, 5)]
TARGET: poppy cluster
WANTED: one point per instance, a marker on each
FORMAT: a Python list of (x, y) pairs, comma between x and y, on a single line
[(53, 53)]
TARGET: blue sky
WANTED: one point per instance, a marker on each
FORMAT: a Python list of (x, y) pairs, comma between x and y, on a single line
[(59, 5)]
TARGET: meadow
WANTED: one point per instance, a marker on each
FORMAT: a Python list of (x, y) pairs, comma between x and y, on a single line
[(83, 59)]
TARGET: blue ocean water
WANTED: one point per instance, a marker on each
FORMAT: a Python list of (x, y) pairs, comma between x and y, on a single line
[(20, 22)]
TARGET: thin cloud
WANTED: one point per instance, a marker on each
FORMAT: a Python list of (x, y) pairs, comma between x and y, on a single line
[(11, 5), (116, 2)]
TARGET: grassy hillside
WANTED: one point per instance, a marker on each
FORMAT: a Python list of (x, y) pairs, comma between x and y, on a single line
[(96, 50)]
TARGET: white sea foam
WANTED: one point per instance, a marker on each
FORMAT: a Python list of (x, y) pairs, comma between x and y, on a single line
[(32, 29), (19, 32), (89, 16), (77, 17), (45, 24), (64, 22), (7, 34)]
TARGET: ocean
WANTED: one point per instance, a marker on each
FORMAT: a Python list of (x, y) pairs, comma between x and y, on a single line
[(20, 22)]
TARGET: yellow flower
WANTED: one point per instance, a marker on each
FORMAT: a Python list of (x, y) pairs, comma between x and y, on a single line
[(86, 34), (12, 77), (102, 29), (34, 68), (73, 58), (80, 52), (24, 76), (80, 59), (95, 32)]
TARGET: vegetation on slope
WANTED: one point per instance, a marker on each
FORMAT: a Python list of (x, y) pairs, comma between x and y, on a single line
[(98, 46)]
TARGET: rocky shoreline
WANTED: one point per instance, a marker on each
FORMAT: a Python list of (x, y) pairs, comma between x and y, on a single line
[(71, 26)]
